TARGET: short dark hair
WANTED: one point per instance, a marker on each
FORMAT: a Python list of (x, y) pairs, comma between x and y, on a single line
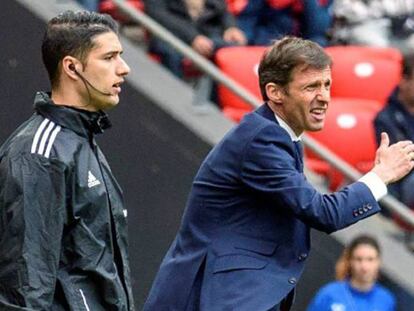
[(279, 61), (408, 66), (343, 265), (72, 33)]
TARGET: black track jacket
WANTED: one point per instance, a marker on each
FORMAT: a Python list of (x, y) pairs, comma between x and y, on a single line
[(63, 231)]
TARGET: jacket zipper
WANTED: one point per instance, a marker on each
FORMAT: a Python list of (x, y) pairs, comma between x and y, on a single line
[(112, 223), (113, 230), (84, 300)]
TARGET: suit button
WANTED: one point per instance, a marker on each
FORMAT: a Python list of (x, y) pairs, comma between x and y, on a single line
[(369, 206), (302, 256), (292, 281), (360, 211)]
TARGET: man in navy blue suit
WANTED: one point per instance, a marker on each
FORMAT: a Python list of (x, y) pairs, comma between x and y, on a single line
[(244, 237)]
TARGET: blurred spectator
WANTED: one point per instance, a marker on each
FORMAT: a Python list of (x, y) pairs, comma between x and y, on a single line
[(206, 25), (374, 22), (356, 288), (267, 20), (90, 5), (397, 119)]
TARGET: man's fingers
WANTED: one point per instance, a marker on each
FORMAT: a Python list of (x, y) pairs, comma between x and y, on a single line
[(409, 148), (405, 148), (408, 145), (385, 141), (404, 143)]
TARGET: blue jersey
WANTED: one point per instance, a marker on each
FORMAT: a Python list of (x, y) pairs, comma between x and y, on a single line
[(340, 296)]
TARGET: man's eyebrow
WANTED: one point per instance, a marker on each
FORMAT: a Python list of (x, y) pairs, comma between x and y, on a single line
[(318, 83), (112, 52), (314, 83)]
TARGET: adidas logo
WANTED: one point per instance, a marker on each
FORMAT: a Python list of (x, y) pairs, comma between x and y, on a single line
[(92, 180)]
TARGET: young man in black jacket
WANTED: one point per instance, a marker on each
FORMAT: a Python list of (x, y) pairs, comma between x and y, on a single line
[(63, 235)]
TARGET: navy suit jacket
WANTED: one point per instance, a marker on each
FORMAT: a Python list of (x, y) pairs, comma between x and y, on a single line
[(245, 231)]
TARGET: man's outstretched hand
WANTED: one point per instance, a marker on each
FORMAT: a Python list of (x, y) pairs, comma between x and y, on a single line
[(393, 162)]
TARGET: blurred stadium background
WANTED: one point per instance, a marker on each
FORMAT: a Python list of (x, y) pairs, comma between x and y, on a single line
[(162, 130)]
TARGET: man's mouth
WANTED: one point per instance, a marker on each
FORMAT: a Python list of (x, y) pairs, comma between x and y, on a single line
[(318, 113), (117, 86)]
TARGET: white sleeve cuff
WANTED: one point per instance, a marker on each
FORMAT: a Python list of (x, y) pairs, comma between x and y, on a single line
[(375, 184)]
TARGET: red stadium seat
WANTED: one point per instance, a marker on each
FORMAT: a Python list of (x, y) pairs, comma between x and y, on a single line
[(236, 6), (239, 63), (108, 7), (349, 133), (364, 72)]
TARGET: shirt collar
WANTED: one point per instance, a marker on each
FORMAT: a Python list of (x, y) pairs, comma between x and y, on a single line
[(288, 129)]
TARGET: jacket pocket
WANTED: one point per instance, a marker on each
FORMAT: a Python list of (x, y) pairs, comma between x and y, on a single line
[(255, 245), (238, 262), (238, 244)]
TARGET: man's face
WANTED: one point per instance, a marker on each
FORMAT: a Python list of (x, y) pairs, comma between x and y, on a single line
[(365, 263), (105, 70), (306, 99)]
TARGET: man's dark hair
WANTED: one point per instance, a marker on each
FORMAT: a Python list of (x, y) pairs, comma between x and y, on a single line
[(279, 61), (72, 33), (408, 66)]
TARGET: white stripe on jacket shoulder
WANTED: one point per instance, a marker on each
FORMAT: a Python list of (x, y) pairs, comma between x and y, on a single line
[(45, 137)]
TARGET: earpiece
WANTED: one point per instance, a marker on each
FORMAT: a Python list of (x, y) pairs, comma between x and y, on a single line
[(73, 68)]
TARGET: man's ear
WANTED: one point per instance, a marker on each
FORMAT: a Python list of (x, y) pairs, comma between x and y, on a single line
[(70, 66), (275, 92)]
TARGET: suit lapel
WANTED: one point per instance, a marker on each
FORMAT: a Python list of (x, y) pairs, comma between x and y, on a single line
[(299, 152)]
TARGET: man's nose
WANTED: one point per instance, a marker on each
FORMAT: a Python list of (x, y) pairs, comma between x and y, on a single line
[(123, 68), (324, 94)]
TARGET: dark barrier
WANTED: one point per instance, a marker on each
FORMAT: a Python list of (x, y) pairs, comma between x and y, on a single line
[(153, 156)]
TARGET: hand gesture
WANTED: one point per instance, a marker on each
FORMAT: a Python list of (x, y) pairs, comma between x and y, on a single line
[(393, 162)]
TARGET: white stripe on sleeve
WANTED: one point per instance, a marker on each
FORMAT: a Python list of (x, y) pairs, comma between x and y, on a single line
[(37, 135), (84, 300), (52, 140), (45, 137)]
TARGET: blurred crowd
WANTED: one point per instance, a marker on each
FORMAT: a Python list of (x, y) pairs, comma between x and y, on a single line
[(208, 25)]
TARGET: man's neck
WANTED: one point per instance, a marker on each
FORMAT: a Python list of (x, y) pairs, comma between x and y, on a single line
[(283, 123), (62, 99)]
